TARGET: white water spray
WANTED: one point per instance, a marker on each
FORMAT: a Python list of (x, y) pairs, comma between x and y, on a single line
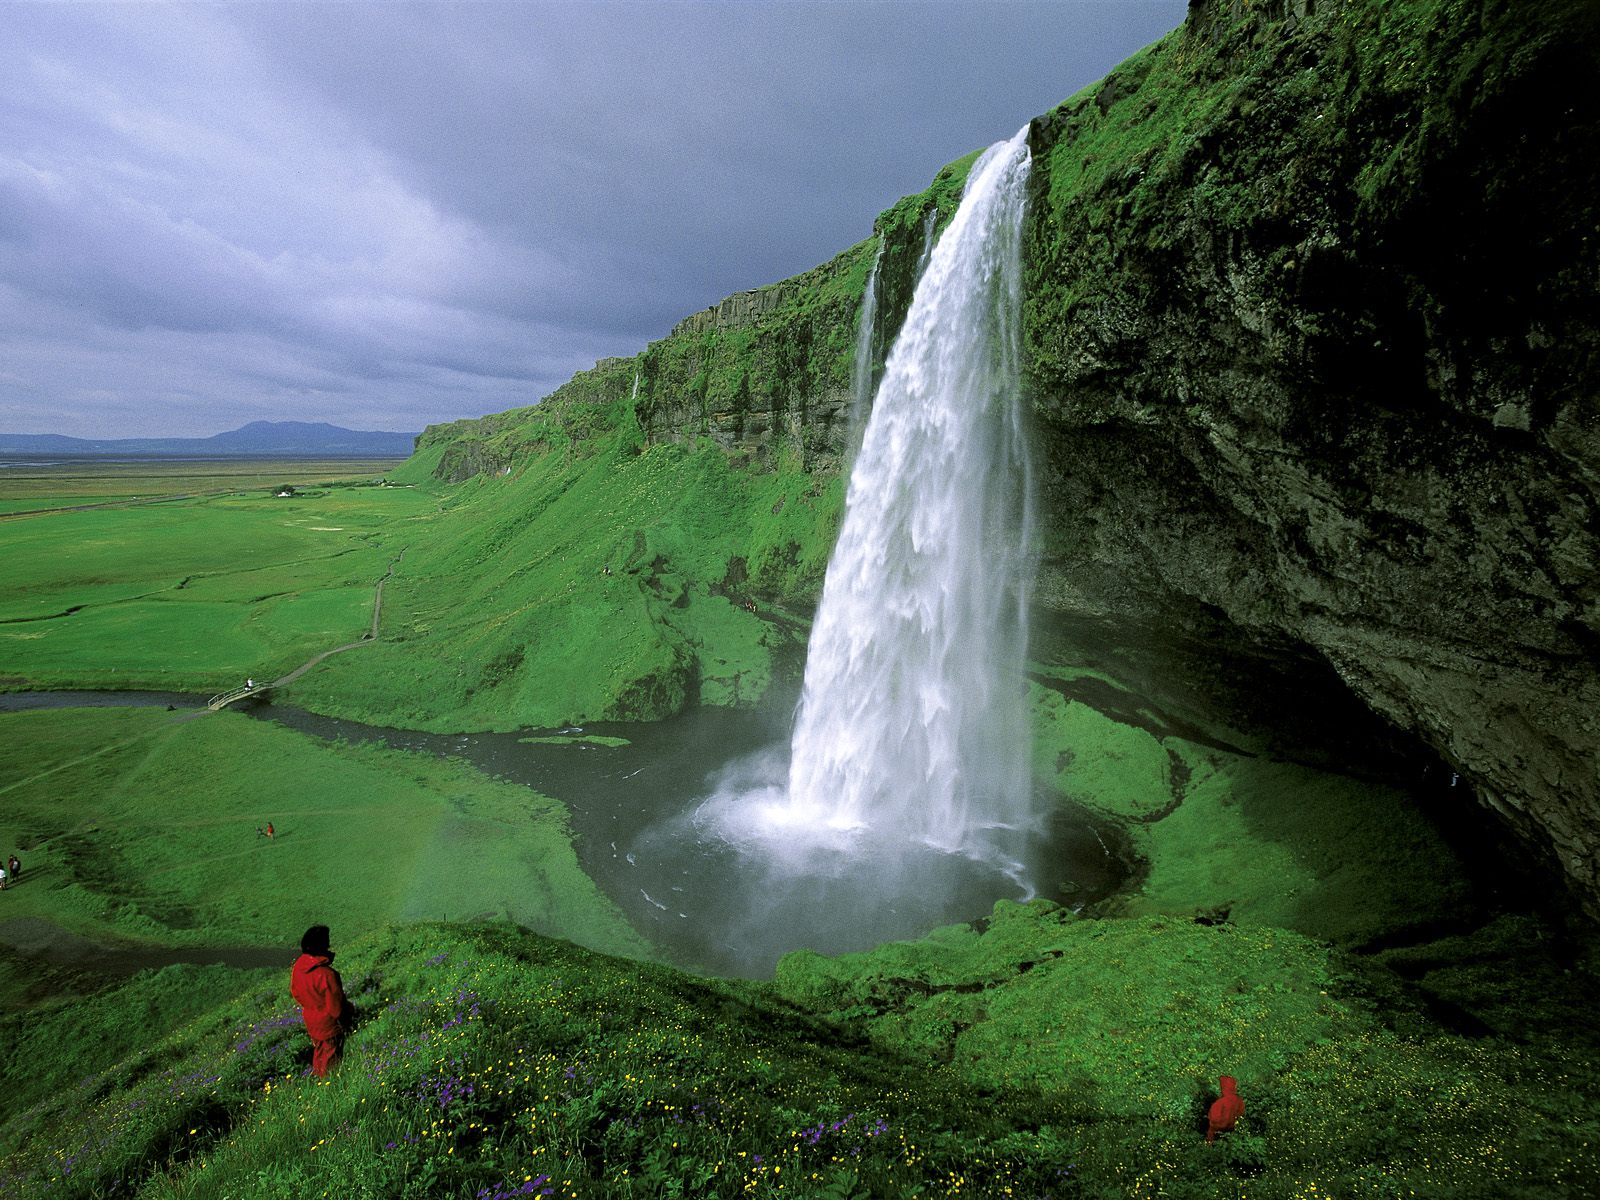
[(913, 716), (913, 728)]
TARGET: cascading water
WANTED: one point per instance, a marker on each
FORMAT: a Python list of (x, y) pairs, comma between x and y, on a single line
[(929, 224), (903, 799), (861, 372), (912, 728), (913, 718)]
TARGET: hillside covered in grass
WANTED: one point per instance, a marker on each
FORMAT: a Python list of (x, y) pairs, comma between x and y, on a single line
[(1043, 1056), (601, 577)]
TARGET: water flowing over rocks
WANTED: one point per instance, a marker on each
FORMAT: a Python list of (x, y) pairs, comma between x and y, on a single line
[(912, 715)]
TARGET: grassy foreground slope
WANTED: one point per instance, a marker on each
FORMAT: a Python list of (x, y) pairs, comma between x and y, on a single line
[(1044, 1057)]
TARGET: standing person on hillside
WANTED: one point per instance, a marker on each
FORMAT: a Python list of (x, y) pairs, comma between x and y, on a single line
[(319, 991), (14, 865)]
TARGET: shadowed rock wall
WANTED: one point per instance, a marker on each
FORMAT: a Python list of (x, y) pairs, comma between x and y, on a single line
[(1313, 328)]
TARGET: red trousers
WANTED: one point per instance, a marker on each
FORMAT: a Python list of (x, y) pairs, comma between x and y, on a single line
[(325, 1055)]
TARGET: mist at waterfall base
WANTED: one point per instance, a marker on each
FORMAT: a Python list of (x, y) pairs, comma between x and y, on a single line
[(905, 792), (736, 907), (632, 793)]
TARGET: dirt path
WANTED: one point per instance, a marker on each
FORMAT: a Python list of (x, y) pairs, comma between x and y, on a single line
[(367, 639)]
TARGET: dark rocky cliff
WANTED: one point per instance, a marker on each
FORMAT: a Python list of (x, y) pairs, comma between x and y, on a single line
[(1312, 314), (1313, 330)]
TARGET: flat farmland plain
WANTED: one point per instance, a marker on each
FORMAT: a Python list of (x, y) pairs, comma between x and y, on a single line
[(187, 575)]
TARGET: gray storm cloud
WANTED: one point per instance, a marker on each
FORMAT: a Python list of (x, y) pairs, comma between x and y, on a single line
[(389, 215)]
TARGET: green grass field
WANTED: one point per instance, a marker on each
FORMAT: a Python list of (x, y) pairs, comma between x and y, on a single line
[(612, 583), (33, 485), (139, 825), (196, 593)]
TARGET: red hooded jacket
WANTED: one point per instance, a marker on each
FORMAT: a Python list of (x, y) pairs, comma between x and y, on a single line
[(1226, 1109), (316, 987)]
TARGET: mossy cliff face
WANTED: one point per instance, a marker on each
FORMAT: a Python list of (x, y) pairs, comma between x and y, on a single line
[(1312, 340), (1311, 326), (770, 371)]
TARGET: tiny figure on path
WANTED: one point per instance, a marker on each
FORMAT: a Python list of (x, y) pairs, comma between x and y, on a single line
[(269, 830), (1226, 1109), (14, 865), (318, 990), (2, 879)]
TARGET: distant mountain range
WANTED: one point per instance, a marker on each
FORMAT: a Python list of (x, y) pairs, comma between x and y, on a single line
[(259, 439)]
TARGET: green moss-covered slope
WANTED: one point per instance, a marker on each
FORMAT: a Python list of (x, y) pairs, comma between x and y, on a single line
[(1045, 1056), (591, 575)]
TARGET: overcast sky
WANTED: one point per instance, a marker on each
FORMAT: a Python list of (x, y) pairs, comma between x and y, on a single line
[(386, 215)]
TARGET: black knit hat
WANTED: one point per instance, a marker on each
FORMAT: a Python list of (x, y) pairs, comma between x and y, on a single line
[(314, 940)]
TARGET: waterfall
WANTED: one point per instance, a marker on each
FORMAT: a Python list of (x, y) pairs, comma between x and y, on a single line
[(635, 395), (929, 224), (861, 374), (913, 720)]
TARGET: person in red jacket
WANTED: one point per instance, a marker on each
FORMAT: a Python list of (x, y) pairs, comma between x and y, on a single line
[(316, 987), (1226, 1109)]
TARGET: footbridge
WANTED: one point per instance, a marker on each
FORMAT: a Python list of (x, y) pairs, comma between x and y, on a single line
[(223, 699)]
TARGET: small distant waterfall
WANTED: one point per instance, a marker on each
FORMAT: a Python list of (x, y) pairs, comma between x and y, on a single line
[(861, 374), (929, 224), (913, 720), (635, 395)]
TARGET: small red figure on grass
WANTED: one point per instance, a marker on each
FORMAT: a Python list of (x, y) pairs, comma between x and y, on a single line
[(1225, 1110)]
